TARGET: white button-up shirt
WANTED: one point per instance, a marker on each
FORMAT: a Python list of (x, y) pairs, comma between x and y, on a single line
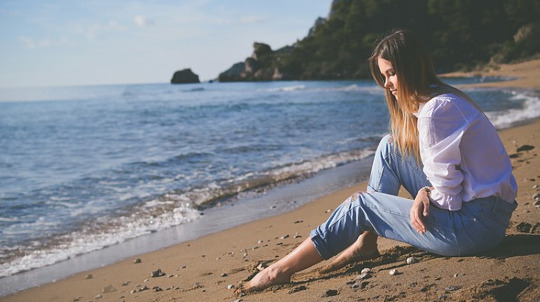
[(463, 156)]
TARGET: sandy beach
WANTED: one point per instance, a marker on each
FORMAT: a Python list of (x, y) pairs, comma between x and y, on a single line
[(209, 268)]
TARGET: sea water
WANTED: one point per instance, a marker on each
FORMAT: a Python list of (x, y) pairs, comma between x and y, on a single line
[(85, 168)]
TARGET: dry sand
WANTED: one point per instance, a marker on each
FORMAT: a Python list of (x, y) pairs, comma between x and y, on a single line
[(205, 269)]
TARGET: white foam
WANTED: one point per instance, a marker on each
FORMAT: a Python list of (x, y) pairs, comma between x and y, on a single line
[(319, 164), (353, 87), (80, 242), (8, 219), (507, 118), (288, 88)]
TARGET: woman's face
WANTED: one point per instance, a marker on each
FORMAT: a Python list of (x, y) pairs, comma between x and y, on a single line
[(389, 75)]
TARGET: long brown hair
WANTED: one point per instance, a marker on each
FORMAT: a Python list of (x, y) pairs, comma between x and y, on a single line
[(417, 83)]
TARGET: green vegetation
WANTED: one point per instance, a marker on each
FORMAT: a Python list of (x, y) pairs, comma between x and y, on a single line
[(460, 34)]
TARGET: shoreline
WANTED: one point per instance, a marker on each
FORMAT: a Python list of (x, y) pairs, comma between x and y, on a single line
[(203, 268), (282, 198)]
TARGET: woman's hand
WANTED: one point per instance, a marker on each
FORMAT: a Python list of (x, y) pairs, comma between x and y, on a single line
[(419, 209)]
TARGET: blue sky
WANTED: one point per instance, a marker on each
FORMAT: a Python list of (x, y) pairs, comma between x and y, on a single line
[(77, 42)]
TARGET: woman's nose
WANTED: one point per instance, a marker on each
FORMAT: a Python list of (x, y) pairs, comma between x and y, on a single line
[(386, 83)]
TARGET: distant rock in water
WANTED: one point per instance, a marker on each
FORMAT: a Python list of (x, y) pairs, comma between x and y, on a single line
[(185, 76)]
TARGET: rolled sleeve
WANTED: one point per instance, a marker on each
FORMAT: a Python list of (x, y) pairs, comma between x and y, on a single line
[(441, 127)]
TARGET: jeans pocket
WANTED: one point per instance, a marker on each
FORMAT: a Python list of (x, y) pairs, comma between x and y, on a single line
[(478, 237), (485, 229), (501, 212)]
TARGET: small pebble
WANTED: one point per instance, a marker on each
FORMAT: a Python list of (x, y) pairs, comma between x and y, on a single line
[(109, 289), (452, 288), (536, 196), (157, 289), (89, 276), (360, 285), (331, 293), (260, 242), (98, 297), (535, 187), (411, 260), (363, 276), (284, 236), (238, 300), (366, 270), (393, 272), (230, 286), (297, 289), (224, 275), (157, 273), (245, 255), (138, 260), (524, 148)]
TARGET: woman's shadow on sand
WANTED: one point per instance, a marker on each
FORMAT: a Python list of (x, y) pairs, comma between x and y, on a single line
[(514, 245)]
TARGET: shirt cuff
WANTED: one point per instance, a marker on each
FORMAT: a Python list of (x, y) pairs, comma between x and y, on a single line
[(446, 201)]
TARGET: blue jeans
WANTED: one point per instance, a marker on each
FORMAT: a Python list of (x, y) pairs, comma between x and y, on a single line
[(479, 226)]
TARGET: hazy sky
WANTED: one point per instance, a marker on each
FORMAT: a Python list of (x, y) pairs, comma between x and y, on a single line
[(78, 42)]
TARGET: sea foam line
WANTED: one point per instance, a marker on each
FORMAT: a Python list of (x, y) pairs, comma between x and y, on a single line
[(116, 230), (508, 118)]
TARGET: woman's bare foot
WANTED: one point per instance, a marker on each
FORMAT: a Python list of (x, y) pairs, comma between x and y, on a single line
[(302, 257), (266, 278), (364, 248)]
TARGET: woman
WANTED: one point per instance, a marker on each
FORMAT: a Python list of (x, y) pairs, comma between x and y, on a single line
[(442, 149)]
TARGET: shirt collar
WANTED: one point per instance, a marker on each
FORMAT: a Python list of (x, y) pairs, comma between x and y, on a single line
[(420, 106)]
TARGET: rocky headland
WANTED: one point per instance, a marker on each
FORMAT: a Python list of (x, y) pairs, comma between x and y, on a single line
[(260, 66), (338, 45)]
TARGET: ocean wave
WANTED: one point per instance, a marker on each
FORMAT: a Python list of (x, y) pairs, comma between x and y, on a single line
[(507, 118), (196, 89), (287, 88), (97, 235), (349, 88), (206, 196), (353, 87), (160, 213)]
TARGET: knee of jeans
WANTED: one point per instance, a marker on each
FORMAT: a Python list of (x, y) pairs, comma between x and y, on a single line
[(357, 197), (386, 144)]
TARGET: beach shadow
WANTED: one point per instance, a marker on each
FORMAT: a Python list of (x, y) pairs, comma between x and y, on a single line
[(516, 245), (394, 257), (513, 245)]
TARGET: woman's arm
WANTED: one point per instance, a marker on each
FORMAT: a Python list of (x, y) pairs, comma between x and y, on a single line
[(441, 126)]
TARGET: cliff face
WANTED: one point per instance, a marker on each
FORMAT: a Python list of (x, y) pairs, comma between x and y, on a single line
[(260, 66)]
